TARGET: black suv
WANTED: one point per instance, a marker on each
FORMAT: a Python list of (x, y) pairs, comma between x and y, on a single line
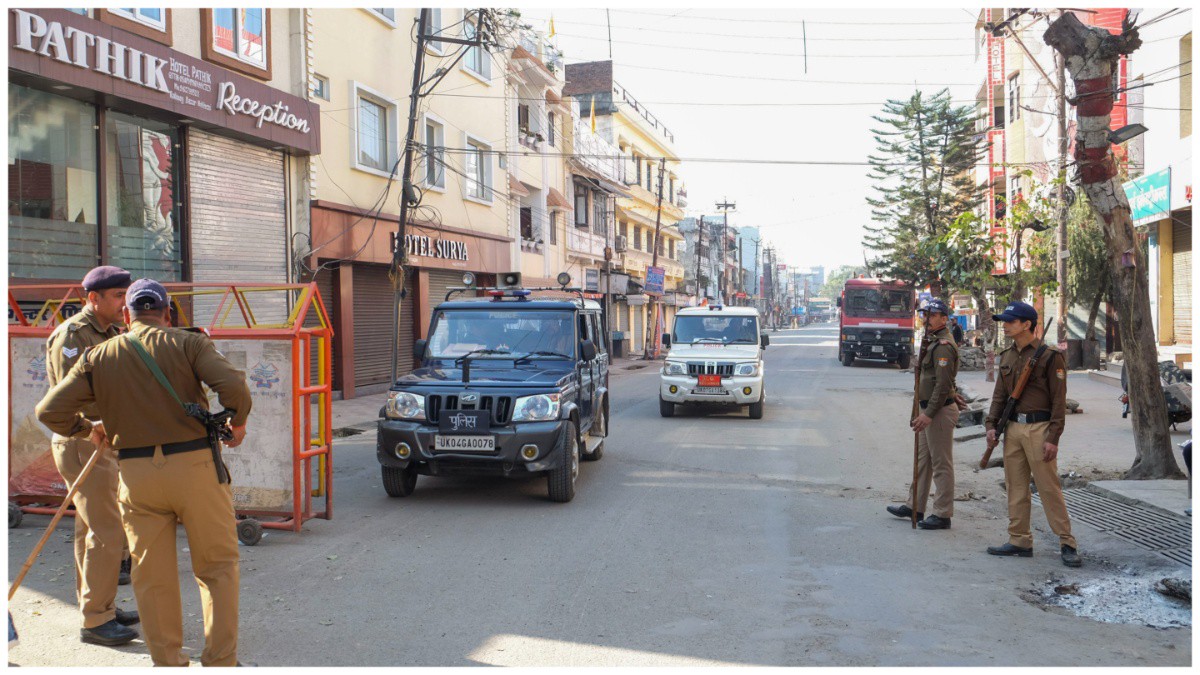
[(505, 385)]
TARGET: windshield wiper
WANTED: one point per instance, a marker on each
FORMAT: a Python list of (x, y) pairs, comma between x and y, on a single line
[(708, 339), (526, 357), (465, 360)]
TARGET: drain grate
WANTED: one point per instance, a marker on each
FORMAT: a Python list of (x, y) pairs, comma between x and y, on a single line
[(1168, 536)]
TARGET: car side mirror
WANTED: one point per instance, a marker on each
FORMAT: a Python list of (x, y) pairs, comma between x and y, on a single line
[(666, 339), (419, 349), (588, 350), (765, 340)]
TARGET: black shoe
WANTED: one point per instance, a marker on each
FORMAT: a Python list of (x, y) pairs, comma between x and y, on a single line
[(934, 523), (1009, 549), (1070, 557), (111, 634), (123, 578), (903, 511), (127, 618)]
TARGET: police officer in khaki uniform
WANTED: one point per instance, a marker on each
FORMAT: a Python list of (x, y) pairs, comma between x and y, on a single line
[(166, 467), (1032, 435), (100, 548), (935, 424)]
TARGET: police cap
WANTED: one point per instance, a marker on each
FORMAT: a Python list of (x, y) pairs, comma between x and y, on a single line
[(146, 294), (936, 306), (106, 276), (1017, 311)]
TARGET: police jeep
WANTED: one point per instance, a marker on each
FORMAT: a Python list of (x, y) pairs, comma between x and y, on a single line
[(511, 384)]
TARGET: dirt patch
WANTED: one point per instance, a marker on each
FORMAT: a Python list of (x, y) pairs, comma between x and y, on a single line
[(1122, 597)]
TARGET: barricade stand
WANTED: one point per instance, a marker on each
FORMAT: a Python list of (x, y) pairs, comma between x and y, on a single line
[(271, 331)]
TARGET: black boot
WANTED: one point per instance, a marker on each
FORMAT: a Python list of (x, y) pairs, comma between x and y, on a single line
[(128, 618), (903, 511), (1070, 557), (123, 578), (934, 523), (1009, 549), (111, 634)]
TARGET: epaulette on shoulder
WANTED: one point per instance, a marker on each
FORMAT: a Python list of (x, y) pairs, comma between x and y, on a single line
[(944, 341), (196, 329)]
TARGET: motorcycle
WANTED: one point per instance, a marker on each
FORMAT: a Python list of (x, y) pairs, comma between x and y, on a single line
[(1177, 389)]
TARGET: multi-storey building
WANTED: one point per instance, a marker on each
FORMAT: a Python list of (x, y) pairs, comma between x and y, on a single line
[(750, 246)]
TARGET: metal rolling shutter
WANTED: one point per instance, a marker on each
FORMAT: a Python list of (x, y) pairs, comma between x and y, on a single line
[(373, 297), (1182, 258), (442, 280), (238, 220), (639, 328)]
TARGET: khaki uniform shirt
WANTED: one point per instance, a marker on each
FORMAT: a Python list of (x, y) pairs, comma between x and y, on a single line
[(1046, 390), (70, 341), (136, 409), (938, 370)]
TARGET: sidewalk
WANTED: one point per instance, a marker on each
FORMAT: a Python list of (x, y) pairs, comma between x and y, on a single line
[(1097, 443)]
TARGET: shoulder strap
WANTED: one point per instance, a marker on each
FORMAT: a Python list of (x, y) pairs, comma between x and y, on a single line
[(138, 347)]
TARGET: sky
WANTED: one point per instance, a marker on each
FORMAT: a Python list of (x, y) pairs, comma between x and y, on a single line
[(674, 59)]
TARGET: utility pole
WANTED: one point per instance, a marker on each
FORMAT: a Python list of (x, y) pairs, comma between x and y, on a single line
[(1060, 267), (757, 275), (608, 256), (725, 207), (652, 335), (741, 269), (699, 247)]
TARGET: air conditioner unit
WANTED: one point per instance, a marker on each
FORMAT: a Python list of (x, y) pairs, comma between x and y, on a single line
[(620, 243)]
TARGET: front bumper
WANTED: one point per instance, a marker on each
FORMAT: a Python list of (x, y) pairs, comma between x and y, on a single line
[(505, 460), (735, 390), (872, 350)]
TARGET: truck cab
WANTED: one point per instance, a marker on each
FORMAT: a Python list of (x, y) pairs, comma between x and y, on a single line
[(507, 385), (876, 321), (715, 357)]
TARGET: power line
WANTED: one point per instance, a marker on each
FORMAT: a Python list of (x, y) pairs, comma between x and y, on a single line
[(763, 37), (797, 21), (777, 54)]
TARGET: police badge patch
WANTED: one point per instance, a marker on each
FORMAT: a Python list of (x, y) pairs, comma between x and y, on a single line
[(943, 362), (1061, 374), (70, 353)]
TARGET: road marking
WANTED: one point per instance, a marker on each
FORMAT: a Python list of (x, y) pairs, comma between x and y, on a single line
[(524, 650)]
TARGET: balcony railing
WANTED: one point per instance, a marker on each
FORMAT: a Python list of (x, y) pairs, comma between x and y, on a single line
[(596, 153), (585, 241), (621, 93)]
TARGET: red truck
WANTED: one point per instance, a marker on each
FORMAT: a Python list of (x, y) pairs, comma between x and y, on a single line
[(876, 321)]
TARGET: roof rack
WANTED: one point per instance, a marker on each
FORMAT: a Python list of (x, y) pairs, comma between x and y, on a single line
[(523, 293)]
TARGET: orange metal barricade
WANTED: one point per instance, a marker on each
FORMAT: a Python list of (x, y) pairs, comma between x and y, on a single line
[(34, 483)]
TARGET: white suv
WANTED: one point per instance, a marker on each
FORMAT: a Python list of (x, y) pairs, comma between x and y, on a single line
[(715, 357)]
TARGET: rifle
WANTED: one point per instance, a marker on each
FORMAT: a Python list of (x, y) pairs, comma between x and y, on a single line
[(217, 426), (1014, 396)]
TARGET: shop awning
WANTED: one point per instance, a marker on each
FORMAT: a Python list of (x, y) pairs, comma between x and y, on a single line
[(556, 200), (602, 183), (516, 187)]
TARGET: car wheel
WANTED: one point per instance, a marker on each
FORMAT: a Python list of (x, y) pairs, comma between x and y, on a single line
[(666, 408), (561, 481), (399, 482), (904, 361), (847, 358), (756, 409)]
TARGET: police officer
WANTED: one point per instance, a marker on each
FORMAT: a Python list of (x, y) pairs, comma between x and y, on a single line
[(100, 548), (1032, 435), (935, 424), (166, 467)]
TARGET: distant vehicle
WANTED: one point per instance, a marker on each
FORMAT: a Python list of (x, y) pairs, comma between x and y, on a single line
[(820, 309), (507, 386), (876, 321), (715, 357)]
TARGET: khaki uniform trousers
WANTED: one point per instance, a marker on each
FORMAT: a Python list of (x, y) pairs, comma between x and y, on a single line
[(1023, 459), (154, 492), (99, 538), (935, 464)]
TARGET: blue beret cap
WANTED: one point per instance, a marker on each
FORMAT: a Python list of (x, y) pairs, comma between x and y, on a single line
[(146, 294), (106, 276), (1017, 311), (936, 305)]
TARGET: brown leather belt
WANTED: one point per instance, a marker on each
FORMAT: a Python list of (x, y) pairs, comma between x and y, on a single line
[(167, 449), (948, 402)]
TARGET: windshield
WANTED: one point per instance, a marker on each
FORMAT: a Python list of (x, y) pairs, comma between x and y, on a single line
[(456, 332), (876, 302), (723, 329)]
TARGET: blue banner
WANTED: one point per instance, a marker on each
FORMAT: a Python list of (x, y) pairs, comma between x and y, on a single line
[(655, 280), (1149, 197)]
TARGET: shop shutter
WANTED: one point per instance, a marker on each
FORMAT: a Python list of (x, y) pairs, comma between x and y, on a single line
[(373, 297), (1182, 258), (440, 281), (639, 328), (238, 220), (325, 288)]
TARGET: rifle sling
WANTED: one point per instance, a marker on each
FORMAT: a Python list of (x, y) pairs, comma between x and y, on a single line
[(138, 347)]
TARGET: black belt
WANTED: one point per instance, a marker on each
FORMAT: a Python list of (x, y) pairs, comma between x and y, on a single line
[(1030, 417), (167, 449), (948, 402)]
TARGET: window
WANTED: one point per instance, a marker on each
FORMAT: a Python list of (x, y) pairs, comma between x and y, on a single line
[(433, 28), (1014, 97), (637, 238), (624, 229), (637, 162), (477, 164), (553, 227), (671, 193), (599, 213), (672, 247), (435, 154), (155, 17), (649, 175), (78, 10), (387, 16), (550, 128), (372, 135), (141, 179), (320, 87), (527, 223), (581, 210), (476, 60), (241, 34)]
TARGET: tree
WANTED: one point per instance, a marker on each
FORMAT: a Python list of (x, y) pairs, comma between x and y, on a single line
[(837, 279), (923, 171), (1092, 56), (1088, 275)]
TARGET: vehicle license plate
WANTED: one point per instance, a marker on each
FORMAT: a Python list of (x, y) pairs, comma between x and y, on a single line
[(710, 381), (465, 443), (876, 349), (709, 390)]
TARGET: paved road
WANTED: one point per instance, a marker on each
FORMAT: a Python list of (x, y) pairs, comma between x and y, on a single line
[(706, 539)]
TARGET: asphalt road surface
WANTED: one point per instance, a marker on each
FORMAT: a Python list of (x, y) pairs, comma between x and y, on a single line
[(705, 539)]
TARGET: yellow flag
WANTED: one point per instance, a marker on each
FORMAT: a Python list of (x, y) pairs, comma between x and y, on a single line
[(552, 25), (593, 114)]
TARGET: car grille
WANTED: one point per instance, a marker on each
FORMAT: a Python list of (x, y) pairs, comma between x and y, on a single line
[(500, 406), (709, 368), (885, 336)]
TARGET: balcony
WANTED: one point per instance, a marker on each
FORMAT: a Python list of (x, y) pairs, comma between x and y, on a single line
[(585, 243), (621, 94)]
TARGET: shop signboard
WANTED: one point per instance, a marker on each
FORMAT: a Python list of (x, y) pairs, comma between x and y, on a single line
[(1149, 197), (591, 279), (655, 281)]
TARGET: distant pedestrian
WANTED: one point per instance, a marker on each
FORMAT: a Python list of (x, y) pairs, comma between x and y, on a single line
[(935, 424), (957, 331), (1032, 435)]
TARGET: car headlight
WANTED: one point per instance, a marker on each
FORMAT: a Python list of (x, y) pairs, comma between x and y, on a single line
[(401, 405), (745, 369), (537, 408), (675, 368)]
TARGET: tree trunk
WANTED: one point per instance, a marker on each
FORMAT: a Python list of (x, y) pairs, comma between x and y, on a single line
[(1092, 55), (1093, 313), (988, 326)]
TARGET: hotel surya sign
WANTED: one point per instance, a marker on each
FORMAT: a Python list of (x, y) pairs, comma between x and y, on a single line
[(422, 246), (75, 49)]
